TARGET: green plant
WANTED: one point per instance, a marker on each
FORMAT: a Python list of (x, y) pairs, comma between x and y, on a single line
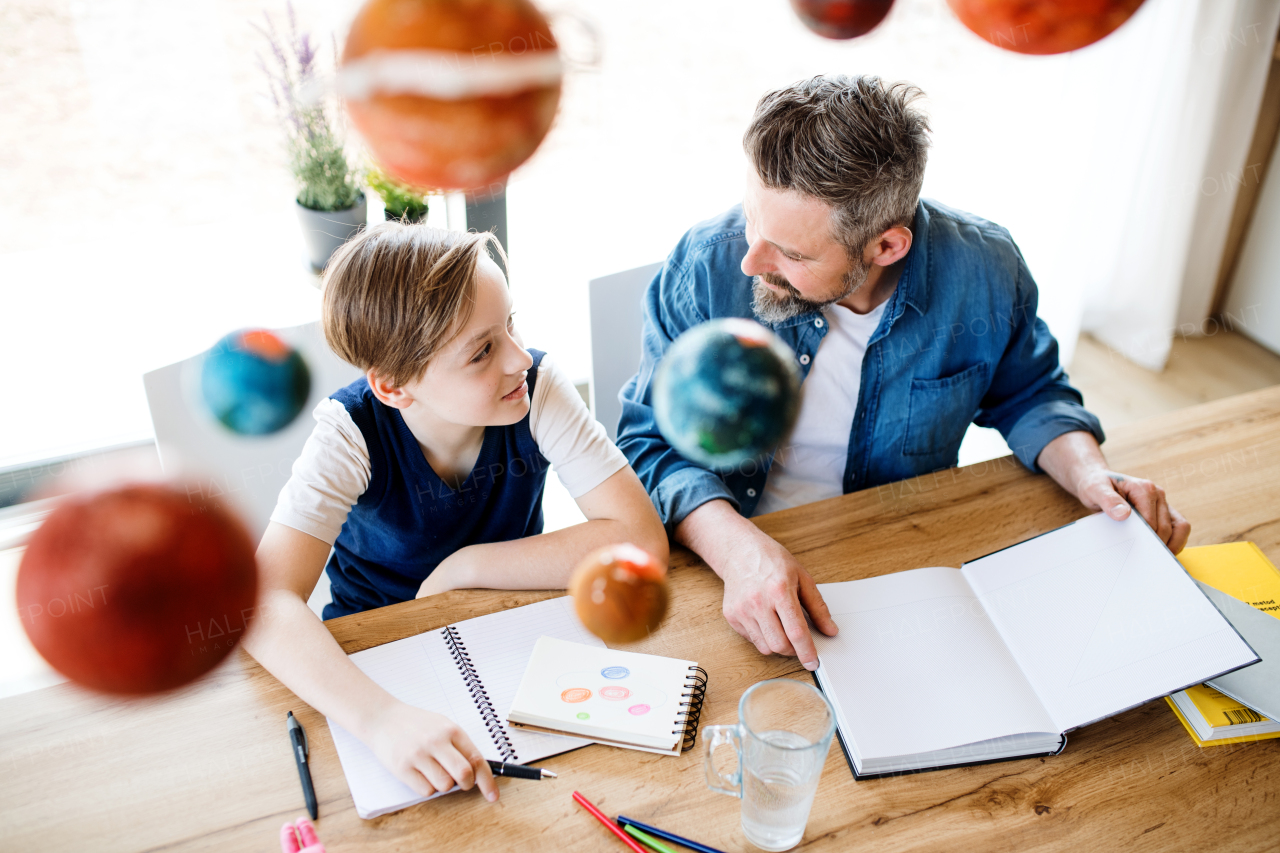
[(402, 201), (325, 177)]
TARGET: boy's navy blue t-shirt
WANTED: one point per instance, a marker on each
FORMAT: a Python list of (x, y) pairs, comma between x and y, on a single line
[(407, 521)]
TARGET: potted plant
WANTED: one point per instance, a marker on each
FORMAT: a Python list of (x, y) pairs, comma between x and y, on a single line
[(402, 201), (330, 203)]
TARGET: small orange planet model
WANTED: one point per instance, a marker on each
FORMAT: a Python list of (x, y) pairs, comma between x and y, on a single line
[(451, 94), (1043, 26), (137, 589), (620, 593)]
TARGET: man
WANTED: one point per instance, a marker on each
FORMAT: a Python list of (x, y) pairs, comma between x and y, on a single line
[(909, 319)]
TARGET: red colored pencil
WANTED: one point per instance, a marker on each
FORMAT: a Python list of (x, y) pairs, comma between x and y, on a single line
[(599, 815)]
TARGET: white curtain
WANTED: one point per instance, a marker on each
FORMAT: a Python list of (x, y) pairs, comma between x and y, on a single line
[(1172, 138)]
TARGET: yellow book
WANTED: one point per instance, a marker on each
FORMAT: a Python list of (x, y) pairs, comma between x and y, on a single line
[(1220, 710), (1240, 570), (1217, 741)]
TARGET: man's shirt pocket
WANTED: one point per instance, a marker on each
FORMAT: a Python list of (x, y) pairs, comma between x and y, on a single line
[(940, 410)]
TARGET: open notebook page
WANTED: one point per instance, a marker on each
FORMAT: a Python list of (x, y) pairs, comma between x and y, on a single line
[(501, 647), (918, 666), (420, 671), (1101, 617)]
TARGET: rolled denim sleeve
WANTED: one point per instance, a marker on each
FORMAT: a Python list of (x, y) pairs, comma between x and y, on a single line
[(675, 485), (1030, 400)]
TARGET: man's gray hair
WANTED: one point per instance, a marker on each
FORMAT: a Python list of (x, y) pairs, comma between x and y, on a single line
[(851, 142)]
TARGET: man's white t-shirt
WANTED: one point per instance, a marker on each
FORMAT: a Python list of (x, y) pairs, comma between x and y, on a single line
[(334, 468), (810, 465)]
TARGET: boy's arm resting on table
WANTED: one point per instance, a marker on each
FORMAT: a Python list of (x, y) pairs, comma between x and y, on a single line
[(426, 751), (597, 476), (617, 510)]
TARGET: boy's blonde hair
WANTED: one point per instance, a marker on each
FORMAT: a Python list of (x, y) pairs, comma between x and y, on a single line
[(397, 293)]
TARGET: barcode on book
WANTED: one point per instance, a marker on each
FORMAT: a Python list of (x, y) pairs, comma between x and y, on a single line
[(1244, 715)]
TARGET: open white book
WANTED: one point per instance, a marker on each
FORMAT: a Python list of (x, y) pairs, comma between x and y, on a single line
[(468, 672), (940, 667)]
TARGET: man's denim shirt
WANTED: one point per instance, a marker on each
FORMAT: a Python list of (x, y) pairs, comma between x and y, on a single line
[(959, 341)]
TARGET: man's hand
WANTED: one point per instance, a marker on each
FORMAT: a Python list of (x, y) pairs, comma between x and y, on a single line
[(1113, 493), (766, 590), (1076, 462), (429, 752)]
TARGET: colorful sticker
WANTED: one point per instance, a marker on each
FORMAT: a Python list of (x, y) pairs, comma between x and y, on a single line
[(575, 694), (615, 672), (583, 715), (614, 693), (639, 710)]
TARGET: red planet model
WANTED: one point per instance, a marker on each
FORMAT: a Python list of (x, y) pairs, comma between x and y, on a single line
[(137, 589), (451, 94), (1043, 26), (620, 593), (841, 19)]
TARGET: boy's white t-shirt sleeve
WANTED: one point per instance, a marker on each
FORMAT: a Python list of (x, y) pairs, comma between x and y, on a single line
[(572, 440), (328, 478)]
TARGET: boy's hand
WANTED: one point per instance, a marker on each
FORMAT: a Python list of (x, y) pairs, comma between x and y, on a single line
[(429, 753)]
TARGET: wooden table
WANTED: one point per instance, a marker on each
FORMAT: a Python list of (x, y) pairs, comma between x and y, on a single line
[(210, 767)]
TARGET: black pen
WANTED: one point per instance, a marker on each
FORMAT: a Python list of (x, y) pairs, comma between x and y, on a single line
[(298, 737), (519, 771)]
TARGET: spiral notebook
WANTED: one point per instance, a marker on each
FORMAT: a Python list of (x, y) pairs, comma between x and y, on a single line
[(468, 672), (616, 698)]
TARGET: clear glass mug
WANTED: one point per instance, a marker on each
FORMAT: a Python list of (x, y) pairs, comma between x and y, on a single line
[(783, 733)]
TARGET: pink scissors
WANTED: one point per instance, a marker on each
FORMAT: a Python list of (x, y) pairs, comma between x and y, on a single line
[(300, 837)]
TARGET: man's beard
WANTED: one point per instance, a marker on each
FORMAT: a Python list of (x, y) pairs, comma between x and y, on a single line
[(773, 307)]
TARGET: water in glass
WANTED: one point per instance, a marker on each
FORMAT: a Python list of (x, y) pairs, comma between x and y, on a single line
[(777, 791)]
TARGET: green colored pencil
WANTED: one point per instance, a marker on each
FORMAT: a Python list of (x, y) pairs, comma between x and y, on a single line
[(648, 839)]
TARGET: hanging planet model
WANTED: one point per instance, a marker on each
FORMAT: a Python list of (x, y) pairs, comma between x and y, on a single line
[(620, 593), (727, 391), (451, 95), (841, 19), (1043, 26), (253, 382), (137, 589)]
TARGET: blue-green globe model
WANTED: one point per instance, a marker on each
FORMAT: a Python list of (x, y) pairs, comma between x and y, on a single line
[(726, 393), (253, 382)]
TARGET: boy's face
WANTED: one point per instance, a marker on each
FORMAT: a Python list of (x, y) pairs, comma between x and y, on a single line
[(478, 377)]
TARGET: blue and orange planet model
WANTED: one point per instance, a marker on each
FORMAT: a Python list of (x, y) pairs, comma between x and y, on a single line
[(253, 382), (726, 393)]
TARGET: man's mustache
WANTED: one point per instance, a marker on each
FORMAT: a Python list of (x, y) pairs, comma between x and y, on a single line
[(780, 282)]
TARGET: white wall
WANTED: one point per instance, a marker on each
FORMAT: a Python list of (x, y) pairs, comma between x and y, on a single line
[(1253, 304)]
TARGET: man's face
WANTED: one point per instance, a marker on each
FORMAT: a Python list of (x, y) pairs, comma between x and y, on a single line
[(797, 264)]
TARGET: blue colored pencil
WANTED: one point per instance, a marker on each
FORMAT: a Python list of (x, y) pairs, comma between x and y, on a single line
[(667, 836)]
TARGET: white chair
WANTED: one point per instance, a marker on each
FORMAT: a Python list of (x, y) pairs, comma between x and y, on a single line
[(247, 472), (617, 318)]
